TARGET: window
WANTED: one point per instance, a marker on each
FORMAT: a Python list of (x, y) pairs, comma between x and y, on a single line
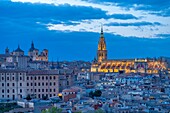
[(3, 91), (39, 78), (8, 96), (2, 96), (39, 90), (39, 84), (42, 78), (7, 90), (2, 78), (7, 84), (13, 84), (50, 83), (46, 84), (35, 84), (54, 83), (27, 78), (31, 78), (53, 94), (13, 91), (67, 82), (35, 90), (20, 90), (27, 84), (2, 84), (42, 90), (43, 84), (50, 95), (31, 84), (54, 77), (20, 84), (7, 78), (35, 78), (46, 90), (54, 90), (38, 95), (46, 78), (50, 77), (50, 90), (13, 78), (20, 78)]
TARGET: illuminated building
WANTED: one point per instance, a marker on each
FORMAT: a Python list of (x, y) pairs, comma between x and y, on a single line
[(145, 65), (35, 56), (101, 52)]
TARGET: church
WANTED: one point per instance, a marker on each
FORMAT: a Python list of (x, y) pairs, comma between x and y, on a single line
[(142, 65)]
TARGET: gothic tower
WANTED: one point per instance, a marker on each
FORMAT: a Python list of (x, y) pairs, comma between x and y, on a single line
[(102, 51)]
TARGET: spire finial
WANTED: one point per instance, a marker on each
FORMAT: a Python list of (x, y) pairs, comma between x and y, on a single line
[(101, 30), (32, 44)]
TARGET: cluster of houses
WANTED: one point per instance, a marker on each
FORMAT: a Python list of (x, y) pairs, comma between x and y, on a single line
[(120, 94), (37, 84)]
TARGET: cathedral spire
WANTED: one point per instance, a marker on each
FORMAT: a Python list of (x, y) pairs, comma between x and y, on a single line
[(102, 51), (101, 34)]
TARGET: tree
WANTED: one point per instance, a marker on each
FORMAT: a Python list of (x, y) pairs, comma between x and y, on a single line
[(52, 110), (28, 97), (97, 93), (91, 94), (78, 112), (44, 97), (99, 111)]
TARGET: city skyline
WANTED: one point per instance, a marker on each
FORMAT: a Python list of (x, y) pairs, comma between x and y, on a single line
[(130, 29)]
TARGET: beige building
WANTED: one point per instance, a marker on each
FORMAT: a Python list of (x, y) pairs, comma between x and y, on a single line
[(17, 84), (12, 84), (43, 83)]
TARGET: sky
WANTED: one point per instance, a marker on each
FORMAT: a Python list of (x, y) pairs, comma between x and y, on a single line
[(70, 29)]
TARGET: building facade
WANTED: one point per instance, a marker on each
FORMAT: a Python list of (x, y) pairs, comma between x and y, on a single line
[(12, 84), (33, 53), (18, 84), (43, 83), (102, 51), (142, 65)]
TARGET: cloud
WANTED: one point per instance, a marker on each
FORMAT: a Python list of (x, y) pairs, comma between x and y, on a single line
[(123, 16), (151, 6), (163, 35), (60, 12), (47, 11), (143, 23), (78, 15)]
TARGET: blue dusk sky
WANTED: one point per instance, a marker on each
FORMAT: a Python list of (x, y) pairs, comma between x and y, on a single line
[(70, 29)]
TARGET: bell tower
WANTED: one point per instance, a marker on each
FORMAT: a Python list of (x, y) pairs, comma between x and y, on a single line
[(102, 51)]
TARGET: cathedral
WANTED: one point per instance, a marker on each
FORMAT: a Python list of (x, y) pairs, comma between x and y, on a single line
[(142, 65)]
